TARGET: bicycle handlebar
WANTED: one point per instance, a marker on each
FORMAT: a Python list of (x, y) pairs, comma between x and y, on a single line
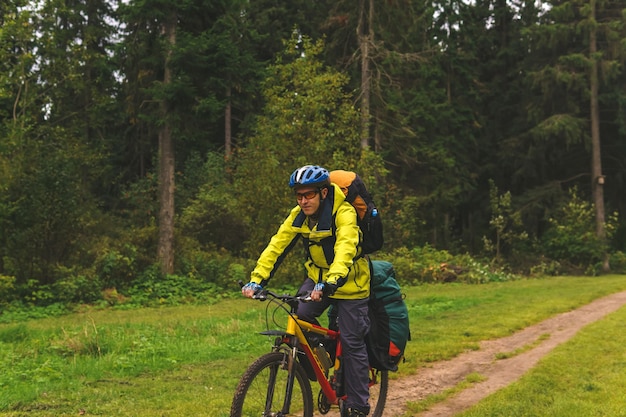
[(263, 296)]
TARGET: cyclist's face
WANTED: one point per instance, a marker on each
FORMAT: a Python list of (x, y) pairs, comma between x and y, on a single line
[(310, 198)]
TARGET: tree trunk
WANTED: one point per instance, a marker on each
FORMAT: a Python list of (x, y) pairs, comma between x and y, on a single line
[(596, 160), (166, 162), (365, 37), (378, 141), (227, 126)]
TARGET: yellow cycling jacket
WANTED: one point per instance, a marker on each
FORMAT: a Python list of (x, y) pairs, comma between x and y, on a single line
[(342, 264)]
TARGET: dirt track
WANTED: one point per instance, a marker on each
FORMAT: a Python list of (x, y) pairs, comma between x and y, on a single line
[(499, 373)]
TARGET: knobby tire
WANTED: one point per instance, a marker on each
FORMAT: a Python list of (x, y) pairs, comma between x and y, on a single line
[(253, 390), (378, 394)]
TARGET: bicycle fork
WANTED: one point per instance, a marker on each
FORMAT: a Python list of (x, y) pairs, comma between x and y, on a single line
[(289, 361), (290, 380)]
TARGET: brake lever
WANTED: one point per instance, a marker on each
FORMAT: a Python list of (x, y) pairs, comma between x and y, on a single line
[(261, 295), (306, 297)]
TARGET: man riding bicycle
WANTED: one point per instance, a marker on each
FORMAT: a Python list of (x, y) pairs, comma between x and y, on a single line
[(340, 278)]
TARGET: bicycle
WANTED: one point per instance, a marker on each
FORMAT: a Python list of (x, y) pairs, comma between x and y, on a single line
[(279, 383)]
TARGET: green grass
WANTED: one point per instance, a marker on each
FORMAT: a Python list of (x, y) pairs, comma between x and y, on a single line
[(447, 320), (584, 377), (187, 360)]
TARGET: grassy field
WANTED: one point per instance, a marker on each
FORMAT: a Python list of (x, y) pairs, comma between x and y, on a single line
[(584, 377), (187, 360)]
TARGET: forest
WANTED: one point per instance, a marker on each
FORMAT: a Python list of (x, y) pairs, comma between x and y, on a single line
[(146, 145)]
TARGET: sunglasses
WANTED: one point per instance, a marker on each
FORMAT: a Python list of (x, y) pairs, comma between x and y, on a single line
[(307, 196)]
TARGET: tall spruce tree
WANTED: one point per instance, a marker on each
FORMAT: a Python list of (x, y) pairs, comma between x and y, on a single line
[(573, 42)]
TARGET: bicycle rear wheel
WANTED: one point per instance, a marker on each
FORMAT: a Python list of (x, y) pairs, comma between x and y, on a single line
[(263, 387), (378, 392)]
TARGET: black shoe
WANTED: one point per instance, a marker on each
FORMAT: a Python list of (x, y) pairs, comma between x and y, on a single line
[(354, 412)]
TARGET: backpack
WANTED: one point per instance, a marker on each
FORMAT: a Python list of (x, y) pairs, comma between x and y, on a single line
[(368, 215), (389, 319)]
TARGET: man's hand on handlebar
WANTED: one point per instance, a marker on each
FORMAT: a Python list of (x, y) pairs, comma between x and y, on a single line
[(321, 289), (251, 289), (254, 290)]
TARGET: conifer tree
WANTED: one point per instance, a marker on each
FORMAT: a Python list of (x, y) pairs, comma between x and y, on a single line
[(576, 39)]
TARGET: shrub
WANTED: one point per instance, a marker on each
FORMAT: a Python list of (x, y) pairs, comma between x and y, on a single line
[(117, 267), (7, 289), (218, 267), (546, 267), (505, 224), (76, 286), (571, 238), (618, 262), (429, 265)]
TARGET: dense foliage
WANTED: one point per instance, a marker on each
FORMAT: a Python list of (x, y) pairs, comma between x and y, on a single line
[(472, 124)]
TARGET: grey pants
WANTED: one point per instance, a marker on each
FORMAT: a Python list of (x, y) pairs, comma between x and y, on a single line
[(354, 324)]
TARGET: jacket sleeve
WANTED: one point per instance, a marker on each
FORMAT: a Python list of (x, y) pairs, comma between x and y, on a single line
[(346, 245), (279, 246)]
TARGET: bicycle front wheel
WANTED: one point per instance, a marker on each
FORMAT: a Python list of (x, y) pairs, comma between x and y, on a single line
[(262, 390)]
